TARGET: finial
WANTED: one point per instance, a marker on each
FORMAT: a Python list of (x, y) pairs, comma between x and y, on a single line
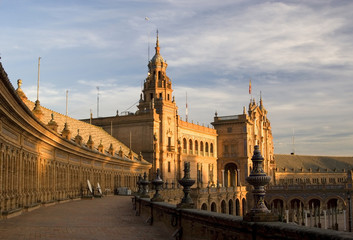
[(19, 91), (260, 99), (19, 83)]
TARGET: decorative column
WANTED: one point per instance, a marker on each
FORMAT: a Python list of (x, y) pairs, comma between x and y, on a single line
[(186, 182), (157, 183), (258, 178)]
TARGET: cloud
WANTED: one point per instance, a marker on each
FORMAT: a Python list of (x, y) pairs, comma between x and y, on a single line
[(298, 54)]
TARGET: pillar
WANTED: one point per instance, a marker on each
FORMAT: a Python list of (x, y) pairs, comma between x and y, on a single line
[(222, 171), (238, 178), (228, 178), (344, 221)]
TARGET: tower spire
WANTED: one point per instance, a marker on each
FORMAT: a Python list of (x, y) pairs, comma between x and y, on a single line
[(157, 44)]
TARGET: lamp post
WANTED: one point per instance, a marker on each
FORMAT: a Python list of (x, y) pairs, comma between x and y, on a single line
[(349, 211)]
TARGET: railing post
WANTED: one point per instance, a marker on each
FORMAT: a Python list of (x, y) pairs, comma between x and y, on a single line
[(157, 183), (258, 178), (186, 182), (144, 182)]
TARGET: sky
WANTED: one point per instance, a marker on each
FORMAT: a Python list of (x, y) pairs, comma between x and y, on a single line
[(298, 54)]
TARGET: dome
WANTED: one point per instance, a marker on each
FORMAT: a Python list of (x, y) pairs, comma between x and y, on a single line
[(157, 58)]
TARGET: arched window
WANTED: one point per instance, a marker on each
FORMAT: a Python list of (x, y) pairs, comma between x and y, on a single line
[(184, 145), (196, 147), (213, 207), (204, 206), (201, 147), (206, 148), (223, 207), (190, 147), (230, 207), (211, 149)]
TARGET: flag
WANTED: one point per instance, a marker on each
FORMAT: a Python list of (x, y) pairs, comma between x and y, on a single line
[(249, 86)]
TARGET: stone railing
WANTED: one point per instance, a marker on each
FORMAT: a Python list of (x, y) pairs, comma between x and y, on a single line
[(306, 186), (198, 224)]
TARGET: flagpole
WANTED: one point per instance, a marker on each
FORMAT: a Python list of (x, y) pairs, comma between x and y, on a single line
[(250, 92), (186, 109)]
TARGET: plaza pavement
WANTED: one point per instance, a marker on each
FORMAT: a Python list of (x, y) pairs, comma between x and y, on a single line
[(110, 217)]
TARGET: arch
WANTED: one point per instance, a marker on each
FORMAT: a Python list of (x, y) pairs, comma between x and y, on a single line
[(314, 203), (223, 207), (204, 206), (237, 207), (230, 207), (339, 201), (296, 203), (213, 207), (332, 203), (243, 203), (277, 206), (206, 147), (230, 175), (201, 147), (211, 148)]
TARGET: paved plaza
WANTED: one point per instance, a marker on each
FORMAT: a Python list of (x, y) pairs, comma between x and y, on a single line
[(110, 217)]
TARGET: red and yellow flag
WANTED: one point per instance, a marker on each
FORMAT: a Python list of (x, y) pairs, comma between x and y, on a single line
[(249, 86)]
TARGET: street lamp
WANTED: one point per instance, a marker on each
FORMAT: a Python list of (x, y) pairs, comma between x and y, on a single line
[(349, 212)]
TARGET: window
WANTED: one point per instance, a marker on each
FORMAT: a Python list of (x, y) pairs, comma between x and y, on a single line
[(151, 95), (168, 97), (160, 95), (232, 148), (229, 130), (168, 166), (225, 148), (169, 141)]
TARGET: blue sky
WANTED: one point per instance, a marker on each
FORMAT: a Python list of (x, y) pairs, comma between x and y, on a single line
[(297, 53)]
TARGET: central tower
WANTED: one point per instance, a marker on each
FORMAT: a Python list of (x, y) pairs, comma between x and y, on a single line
[(157, 97)]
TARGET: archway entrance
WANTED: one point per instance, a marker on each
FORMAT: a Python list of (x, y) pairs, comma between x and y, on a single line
[(230, 175)]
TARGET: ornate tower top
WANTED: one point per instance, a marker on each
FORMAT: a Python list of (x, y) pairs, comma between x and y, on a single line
[(157, 86)]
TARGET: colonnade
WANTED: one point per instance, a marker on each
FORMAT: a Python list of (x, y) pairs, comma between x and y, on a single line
[(28, 178)]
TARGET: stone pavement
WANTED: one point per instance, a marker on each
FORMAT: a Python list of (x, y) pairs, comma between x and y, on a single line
[(110, 217)]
